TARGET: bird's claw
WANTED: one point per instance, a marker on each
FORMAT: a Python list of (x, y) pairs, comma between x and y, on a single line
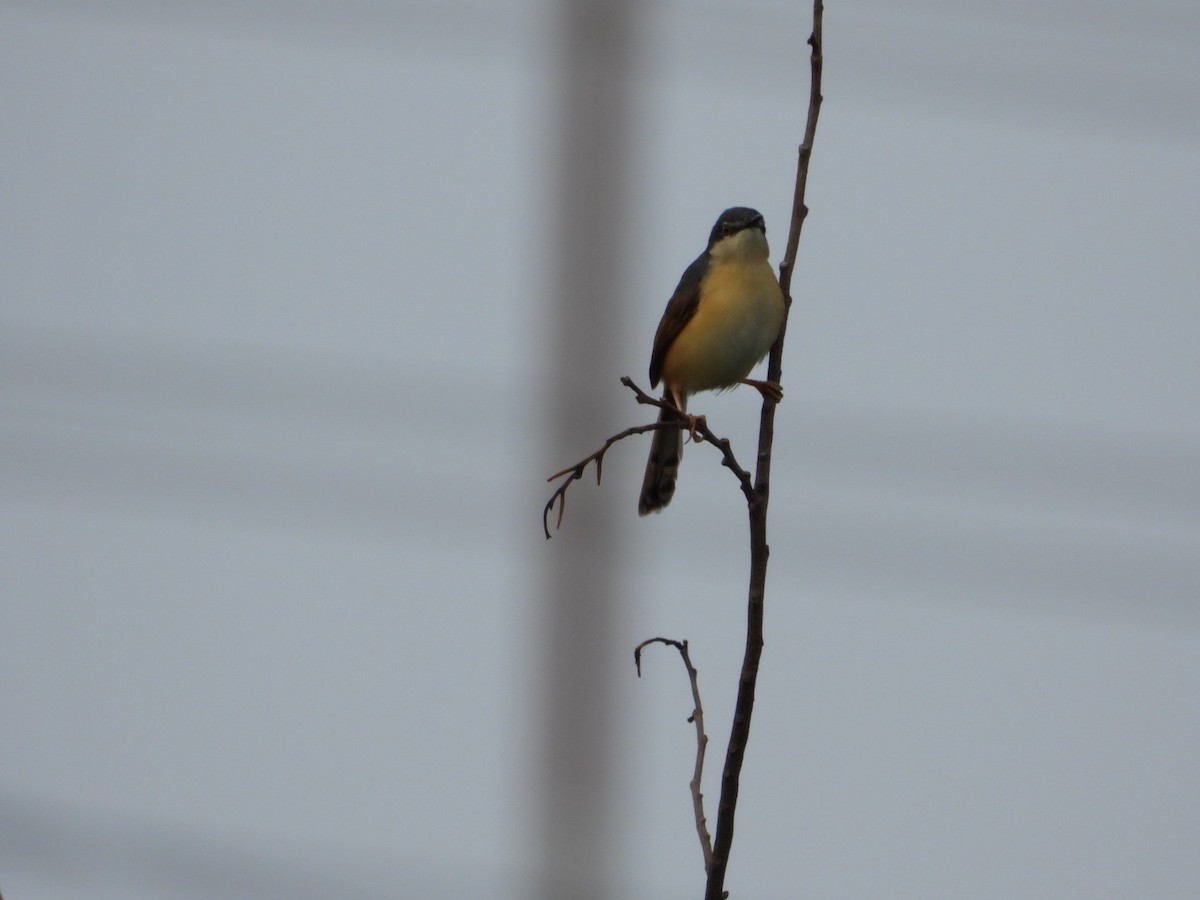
[(770, 390)]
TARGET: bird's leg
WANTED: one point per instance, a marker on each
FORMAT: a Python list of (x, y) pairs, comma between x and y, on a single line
[(679, 401), (771, 390)]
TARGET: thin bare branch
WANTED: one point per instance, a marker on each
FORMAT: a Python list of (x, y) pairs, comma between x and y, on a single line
[(759, 550), (757, 492), (697, 718), (575, 472), (701, 427)]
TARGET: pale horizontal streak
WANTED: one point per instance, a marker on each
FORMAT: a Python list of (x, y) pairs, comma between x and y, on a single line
[(249, 433)]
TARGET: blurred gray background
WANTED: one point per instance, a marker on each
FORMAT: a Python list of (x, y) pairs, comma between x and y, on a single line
[(286, 353)]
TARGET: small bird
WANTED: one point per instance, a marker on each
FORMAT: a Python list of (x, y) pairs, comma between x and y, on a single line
[(721, 321)]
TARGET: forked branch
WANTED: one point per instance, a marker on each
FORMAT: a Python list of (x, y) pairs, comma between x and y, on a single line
[(575, 472), (757, 492)]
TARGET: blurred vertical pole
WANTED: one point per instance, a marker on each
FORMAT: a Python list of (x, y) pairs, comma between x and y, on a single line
[(588, 237)]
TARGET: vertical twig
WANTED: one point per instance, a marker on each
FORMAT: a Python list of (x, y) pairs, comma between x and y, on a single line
[(697, 719), (759, 550)]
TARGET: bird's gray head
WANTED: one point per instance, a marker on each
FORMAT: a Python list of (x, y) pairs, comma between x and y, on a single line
[(733, 220)]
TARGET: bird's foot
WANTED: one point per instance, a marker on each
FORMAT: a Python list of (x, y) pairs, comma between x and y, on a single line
[(694, 422), (770, 390)]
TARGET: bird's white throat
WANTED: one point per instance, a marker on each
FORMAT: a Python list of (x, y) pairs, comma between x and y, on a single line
[(749, 244)]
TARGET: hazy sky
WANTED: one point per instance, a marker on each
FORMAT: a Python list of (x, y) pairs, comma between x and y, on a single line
[(273, 331)]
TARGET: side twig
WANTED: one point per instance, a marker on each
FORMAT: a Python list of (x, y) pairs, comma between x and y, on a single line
[(759, 550), (730, 461), (697, 718), (575, 472)]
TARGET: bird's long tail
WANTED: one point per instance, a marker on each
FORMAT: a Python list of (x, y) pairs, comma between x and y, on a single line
[(662, 468)]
